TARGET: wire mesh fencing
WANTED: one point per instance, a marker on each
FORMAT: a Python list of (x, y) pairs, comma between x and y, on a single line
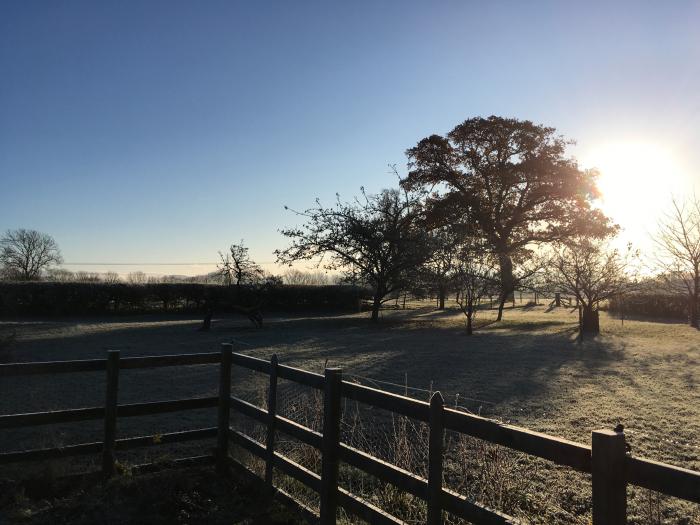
[(523, 486)]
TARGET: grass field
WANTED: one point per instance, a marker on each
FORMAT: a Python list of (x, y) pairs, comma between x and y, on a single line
[(527, 370)]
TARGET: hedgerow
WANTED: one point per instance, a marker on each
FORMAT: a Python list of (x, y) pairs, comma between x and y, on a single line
[(74, 298), (652, 305)]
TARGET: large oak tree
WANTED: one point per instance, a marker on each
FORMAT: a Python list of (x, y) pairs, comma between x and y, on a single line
[(510, 179)]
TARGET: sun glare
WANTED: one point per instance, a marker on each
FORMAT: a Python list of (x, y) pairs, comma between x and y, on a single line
[(636, 181)]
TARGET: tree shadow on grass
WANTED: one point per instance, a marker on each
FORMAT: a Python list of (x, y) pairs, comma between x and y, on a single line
[(519, 364), (524, 326)]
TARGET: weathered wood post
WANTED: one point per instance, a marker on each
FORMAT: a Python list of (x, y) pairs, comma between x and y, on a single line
[(224, 415), (271, 413), (111, 400), (435, 450), (330, 445), (609, 483)]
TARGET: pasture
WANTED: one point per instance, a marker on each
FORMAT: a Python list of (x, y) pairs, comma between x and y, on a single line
[(527, 370)]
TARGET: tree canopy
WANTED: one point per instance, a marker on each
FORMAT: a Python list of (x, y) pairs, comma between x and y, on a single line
[(25, 254), (237, 267), (376, 239)]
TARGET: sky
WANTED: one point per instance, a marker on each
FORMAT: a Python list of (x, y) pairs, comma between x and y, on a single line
[(148, 132)]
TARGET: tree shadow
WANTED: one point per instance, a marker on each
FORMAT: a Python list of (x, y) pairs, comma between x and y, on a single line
[(519, 365)]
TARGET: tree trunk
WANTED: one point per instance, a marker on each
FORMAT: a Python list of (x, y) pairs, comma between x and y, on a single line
[(442, 292), (580, 317), (507, 284), (501, 305), (469, 324), (590, 321), (694, 299), (376, 304)]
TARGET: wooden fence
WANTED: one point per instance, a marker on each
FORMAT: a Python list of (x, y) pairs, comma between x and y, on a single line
[(610, 466)]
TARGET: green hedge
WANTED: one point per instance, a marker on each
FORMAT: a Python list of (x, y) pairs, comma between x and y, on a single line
[(58, 298), (661, 306)]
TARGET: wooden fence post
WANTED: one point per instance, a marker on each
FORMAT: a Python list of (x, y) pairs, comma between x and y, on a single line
[(435, 449), (609, 482), (330, 445), (224, 408), (271, 413), (111, 400)]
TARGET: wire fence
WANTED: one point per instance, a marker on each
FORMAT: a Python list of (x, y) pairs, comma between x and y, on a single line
[(530, 489)]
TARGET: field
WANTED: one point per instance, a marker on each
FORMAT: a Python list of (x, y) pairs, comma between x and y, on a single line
[(527, 370)]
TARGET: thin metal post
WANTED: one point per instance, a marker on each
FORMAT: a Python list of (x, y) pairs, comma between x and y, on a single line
[(330, 445), (110, 421), (271, 413), (435, 452), (224, 408)]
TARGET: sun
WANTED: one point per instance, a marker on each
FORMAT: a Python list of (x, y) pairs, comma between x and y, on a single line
[(636, 182)]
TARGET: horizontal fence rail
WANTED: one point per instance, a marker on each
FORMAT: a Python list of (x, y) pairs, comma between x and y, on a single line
[(609, 483), (96, 447), (99, 365), (110, 443)]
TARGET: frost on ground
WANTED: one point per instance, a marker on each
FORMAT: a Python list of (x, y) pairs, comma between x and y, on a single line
[(528, 370)]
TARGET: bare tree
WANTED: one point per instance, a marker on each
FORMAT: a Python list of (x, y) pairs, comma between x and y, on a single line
[(111, 277), (137, 278), (592, 272), (24, 254), (376, 239), (87, 277), (476, 276), (60, 275), (678, 243), (301, 278), (529, 267), (438, 271), (238, 268)]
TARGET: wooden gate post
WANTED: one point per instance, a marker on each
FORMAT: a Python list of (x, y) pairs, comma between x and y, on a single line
[(224, 415), (435, 450), (271, 413), (111, 400), (609, 481), (330, 445)]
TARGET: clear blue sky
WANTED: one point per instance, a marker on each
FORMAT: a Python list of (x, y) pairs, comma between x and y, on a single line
[(140, 131)]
